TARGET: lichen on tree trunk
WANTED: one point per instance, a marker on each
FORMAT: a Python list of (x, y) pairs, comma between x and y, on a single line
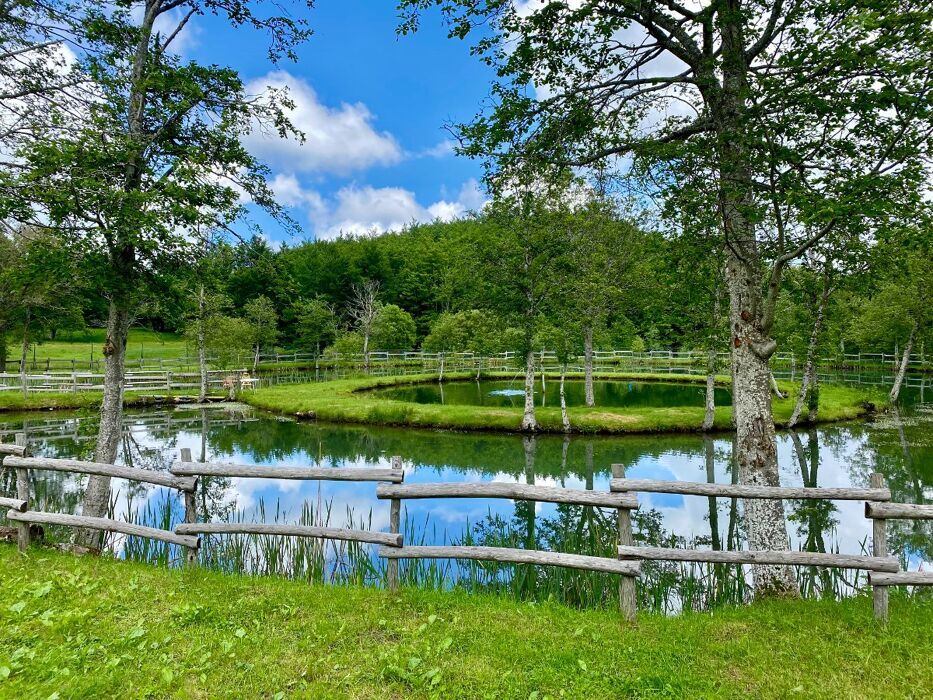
[(565, 418), (756, 442), (97, 493)]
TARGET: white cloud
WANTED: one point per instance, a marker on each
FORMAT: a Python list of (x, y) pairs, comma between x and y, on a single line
[(362, 210), (339, 140)]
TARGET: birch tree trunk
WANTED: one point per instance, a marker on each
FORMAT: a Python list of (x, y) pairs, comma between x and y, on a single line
[(710, 415), (24, 353), (565, 418), (590, 399), (809, 371), (775, 388), (202, 351), (366, 351), (902, 370), (529, 423), (440, 376)]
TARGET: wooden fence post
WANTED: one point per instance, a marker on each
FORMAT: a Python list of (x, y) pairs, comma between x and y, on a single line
[(395, 518), (879, 548), (22, 493), (627, 600), (191, 515)]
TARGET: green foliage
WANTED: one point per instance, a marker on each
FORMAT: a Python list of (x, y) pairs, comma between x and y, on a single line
[(229, 340), (393, 329), (473, 331), (263, 322), (347, 343), (317, 323)]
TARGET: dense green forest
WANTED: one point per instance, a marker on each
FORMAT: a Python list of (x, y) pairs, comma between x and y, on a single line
[(441, 287)]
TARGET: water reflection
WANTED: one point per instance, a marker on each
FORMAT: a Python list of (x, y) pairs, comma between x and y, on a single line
[(618, 394), (898, 446)]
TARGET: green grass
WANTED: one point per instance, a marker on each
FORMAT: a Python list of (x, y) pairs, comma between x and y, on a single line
[(86, 344), (13, 400), (84, 627), (346, 400)]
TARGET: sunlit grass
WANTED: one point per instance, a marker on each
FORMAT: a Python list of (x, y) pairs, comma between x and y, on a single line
[(86, 627)]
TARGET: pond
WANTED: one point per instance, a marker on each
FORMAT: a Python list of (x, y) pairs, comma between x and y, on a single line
[(616, 394), (898, 446)]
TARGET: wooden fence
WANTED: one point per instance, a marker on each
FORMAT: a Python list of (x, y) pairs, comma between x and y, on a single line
[(151, 380), (184, 475)]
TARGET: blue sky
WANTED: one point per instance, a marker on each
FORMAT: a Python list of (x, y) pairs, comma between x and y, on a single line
[(373, 106)]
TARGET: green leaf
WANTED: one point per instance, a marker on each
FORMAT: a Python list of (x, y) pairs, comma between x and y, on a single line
[(240, 633), (4, 672), (17, 608)]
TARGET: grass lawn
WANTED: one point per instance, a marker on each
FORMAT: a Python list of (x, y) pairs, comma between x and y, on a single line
[(83, 627), (86, 344), (346, 400)]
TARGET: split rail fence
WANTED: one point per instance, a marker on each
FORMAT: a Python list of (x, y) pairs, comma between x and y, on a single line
[(184, 475)]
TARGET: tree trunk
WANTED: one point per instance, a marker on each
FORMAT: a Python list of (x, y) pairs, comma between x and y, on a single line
[(256, 358), (97, 493), (754, 423), (710, 415), (807, 383), (590, 399), (775, 388), (565, 418), (3, 351), (709, 449), (440, 376), (202, 351), (905, 359), (529, 423), (24, 353), (366, 352)]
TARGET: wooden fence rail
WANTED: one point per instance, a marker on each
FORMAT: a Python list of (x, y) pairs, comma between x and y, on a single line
[(525, 492), (184, 476), (880, 513)]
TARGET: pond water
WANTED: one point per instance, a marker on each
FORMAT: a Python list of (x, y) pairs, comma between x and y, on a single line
[(617, 394), (898, 446)]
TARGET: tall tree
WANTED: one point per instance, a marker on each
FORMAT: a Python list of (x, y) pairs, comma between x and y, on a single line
[(363, 309), (828, 98), (154, 157)]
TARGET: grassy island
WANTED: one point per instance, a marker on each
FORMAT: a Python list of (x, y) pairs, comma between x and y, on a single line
[(349, 401)]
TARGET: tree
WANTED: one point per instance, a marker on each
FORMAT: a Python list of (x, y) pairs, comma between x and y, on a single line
[(146, 159), (473, 331), (263, 321), (38, 287), (393, 328), (363, 308), (525, 263), (901, 309), (317, 323), (778, 103), (227, 339)]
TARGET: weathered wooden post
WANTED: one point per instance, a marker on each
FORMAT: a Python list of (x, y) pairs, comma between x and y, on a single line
[(879, 548), (22, 493), (627, 601), (191, 515), (395, 522)]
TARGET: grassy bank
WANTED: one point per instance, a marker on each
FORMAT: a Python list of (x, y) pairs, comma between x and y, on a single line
[(347, 401), (101, 628), (11, 401)]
